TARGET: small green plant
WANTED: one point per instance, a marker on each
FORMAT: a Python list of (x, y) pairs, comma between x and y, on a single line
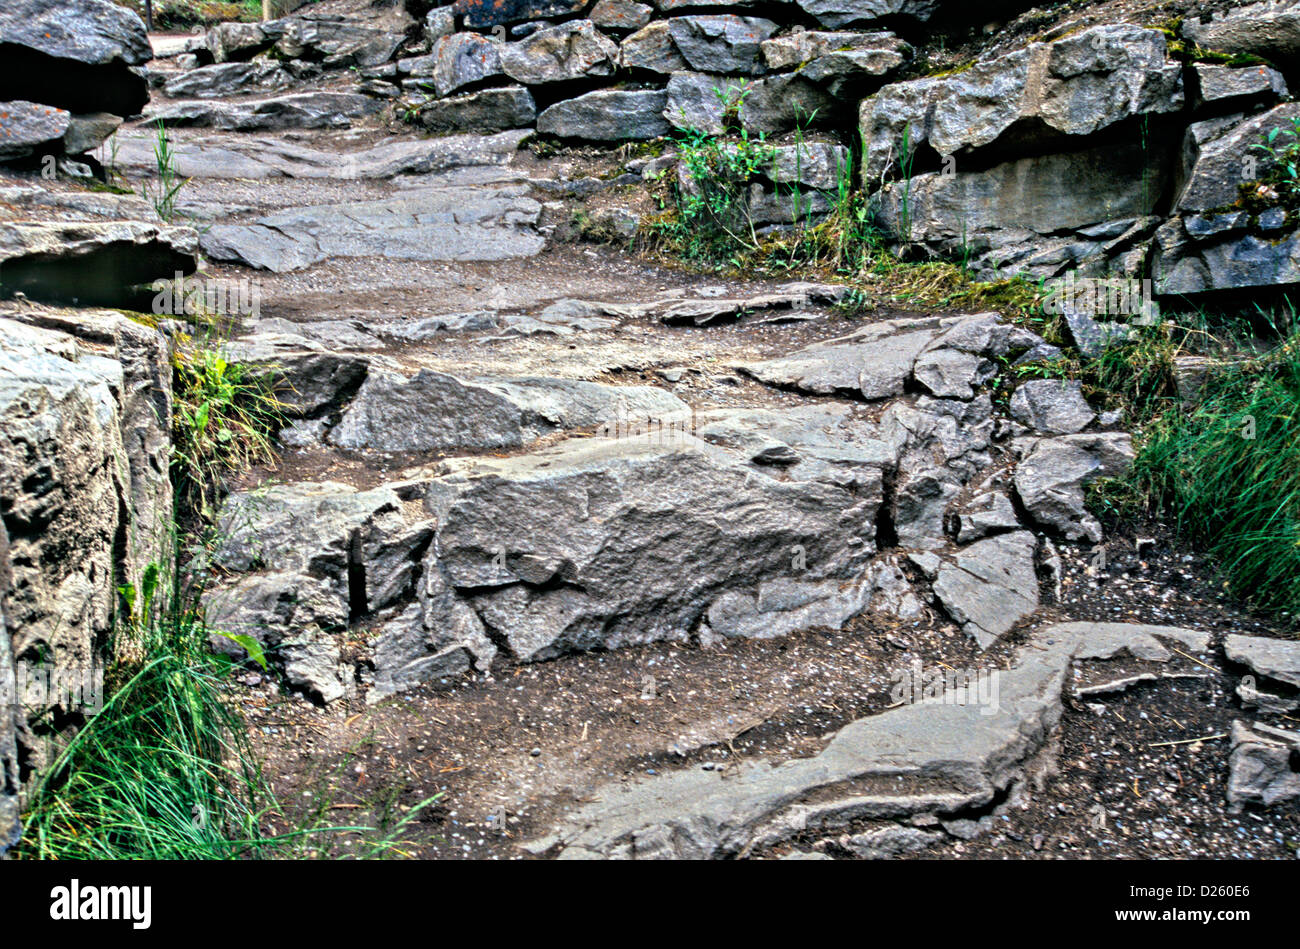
[(163, 195), (711, 220), (1282, 147), (223, 420)]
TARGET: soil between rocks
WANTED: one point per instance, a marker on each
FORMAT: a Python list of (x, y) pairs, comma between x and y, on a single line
[(534, 741)]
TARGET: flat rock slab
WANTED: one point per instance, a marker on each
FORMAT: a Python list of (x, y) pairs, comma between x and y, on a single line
[(920, 757), (392, 413), (1277, 659), (952, 753), (991, 586), (301, 110), (268, 157), (428, 223)]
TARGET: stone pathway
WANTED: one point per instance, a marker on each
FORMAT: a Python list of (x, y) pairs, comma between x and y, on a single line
[(504, 449)]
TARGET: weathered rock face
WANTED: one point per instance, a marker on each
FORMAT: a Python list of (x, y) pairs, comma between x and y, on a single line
[(566, 549), (1050, 479), (93, 262), (27, 127), (84, 481), (1268, 30), (607, 116), (991, 585), (462, 59), (77, 57), (1040, 216), (721, 44), (1046, 93), (1051, 406), (391, 412), (573, 50), (1213, 242), (429, 223), (491, 110)]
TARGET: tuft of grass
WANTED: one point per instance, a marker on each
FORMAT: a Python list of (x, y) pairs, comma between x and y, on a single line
[(164, 770), (163, 195), (1227, 472), (223, 420)]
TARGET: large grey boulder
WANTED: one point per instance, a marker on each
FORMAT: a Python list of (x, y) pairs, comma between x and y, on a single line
[(620, 15), (1046, 93), (92, 261), (726, 44), (991, 586), (1268, 30), (573, 50), (614, 541), (608, 115), (435, 411), (652, 48), (490, 110), (798, 49), (846, 73), (1050, 479), (76, 56), (834, 14), (1241, 85)]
